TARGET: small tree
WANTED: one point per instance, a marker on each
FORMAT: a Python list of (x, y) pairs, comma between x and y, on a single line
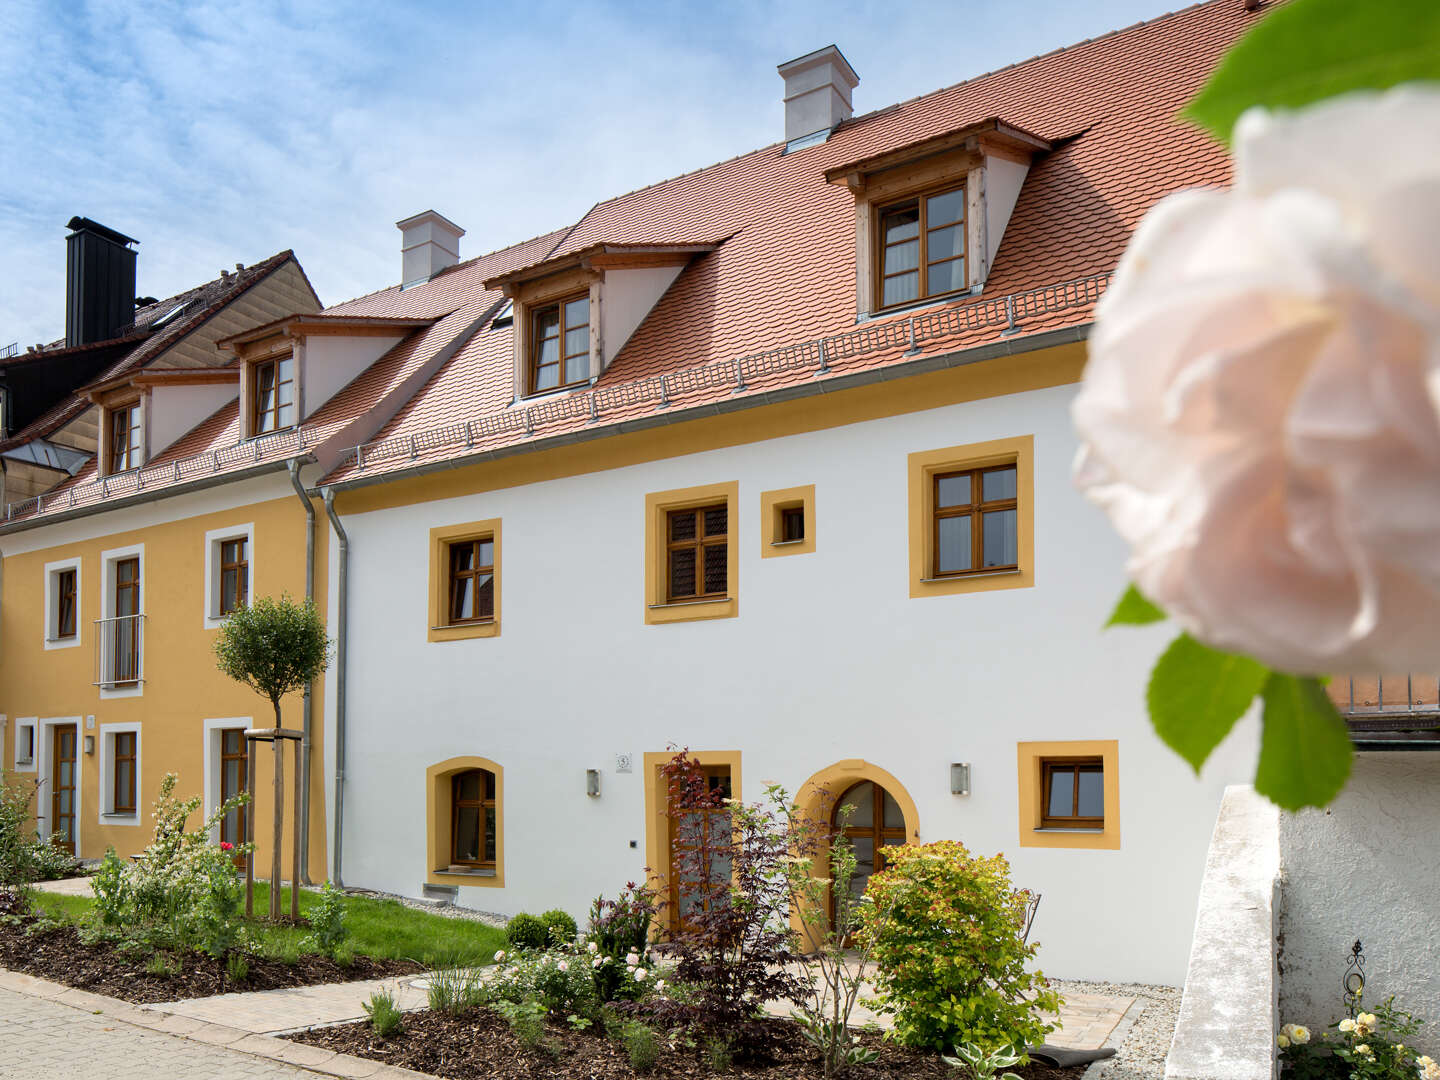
[(274, 647)]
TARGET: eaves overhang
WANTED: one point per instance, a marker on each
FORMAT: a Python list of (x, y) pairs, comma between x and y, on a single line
[(601, 257), (149, 495), (299, 326)]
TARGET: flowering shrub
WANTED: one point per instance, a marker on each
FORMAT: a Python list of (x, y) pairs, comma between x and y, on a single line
[(732, 943), (951, 954), (1367, 1046), (182, 890), (565, 980), (619, 928), (24, 855)]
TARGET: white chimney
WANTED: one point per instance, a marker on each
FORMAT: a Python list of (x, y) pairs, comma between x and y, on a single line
[(429, 242), (817, 92)]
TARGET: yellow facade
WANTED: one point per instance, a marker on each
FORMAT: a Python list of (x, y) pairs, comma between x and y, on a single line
[(182, 688)]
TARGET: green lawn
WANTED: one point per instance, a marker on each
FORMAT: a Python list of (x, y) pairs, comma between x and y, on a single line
[(378, 928)]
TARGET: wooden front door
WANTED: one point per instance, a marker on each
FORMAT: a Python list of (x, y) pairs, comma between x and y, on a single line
[(700, 853), (875, 824), (63, 784), (233, 778)]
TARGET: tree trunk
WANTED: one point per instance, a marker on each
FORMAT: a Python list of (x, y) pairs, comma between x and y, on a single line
[(279, 829)]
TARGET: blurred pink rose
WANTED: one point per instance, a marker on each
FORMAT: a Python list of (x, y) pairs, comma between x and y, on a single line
[(1260, 415)]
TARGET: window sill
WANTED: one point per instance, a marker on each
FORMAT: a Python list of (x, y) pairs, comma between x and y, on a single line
[(480, 628), (723, 607), (540, 395), (971, 576), (1067, 831), (484, 879), (120, 819), (467, 871), (919, 305), (786, 543)]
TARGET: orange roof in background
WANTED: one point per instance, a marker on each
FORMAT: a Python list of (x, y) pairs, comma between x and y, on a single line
[(782, 275)]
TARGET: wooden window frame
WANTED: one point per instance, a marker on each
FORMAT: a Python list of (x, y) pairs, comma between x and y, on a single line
[(116, 757), (700, 544), (131, 432), (440, 626), (922, 269), (1048, 767), (474, 575), (242, 813), (485, 802), (132, 629), (532, 360), (976, 510), (792, 525), (241, 567), (257, 368), (66, 594), (440, 824), (921, 468), (658, 504)]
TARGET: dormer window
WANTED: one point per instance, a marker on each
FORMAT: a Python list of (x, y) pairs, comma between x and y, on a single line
[(922, 247), (273, 382), (124, 444), (560, 344)]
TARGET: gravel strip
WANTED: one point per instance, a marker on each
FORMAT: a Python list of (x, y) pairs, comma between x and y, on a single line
[(449, 911), (1142, 1055)]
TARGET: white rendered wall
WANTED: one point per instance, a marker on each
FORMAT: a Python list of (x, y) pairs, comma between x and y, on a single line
[(331, 361), (627, 297), (828, 659), (1003, 179), (176, 410), (1366, 869)]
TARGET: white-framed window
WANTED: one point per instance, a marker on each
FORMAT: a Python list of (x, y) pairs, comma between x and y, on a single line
[(229, 571), (120, 640), (27, 752), (120, 797), (63, 614)]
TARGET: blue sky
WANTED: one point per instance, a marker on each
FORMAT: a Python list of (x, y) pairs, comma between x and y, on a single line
[(223, 132)]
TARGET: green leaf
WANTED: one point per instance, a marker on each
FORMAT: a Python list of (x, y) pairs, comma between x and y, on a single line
[(1134, 610), (1305, 751), (1197, 693), (1312, 49)]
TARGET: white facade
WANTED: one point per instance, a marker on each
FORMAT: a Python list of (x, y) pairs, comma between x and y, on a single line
[(829, 658), (1364, 869)]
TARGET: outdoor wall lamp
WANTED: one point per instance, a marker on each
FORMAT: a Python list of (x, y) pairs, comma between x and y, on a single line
[(592, 782), (89, 745), (960, 778)]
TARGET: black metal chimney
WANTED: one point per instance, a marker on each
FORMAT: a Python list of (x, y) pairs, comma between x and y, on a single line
[(99, 282)]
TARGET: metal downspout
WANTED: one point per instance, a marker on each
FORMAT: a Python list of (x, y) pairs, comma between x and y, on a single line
[(341, 601), (307, 714)]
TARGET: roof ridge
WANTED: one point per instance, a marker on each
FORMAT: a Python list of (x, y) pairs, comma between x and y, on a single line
[(1032, 59), (463, 262), (908, 101)]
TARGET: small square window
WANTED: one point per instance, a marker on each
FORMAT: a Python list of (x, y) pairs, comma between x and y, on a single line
[(788, 521), (792, 524), (1072, 791), (25, 745)]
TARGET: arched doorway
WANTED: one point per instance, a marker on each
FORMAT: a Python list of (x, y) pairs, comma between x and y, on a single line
[(874, 823)]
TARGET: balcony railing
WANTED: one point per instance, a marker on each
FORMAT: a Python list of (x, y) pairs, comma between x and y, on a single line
[(120, 652), (1360, 696)]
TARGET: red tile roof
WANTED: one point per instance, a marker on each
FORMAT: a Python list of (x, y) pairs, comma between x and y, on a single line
[(784, 275)]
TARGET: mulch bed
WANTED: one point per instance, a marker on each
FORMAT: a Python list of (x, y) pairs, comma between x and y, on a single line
[(58, 954), (479, 1046)]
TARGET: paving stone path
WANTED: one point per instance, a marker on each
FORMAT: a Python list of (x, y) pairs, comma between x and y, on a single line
[(42, 1038)]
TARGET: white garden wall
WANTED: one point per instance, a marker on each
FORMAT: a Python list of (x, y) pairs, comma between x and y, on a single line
[(1366, 868), (828, 659)]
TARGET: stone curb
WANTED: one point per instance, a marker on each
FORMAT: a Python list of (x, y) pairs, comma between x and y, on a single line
[(299, 1055)]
